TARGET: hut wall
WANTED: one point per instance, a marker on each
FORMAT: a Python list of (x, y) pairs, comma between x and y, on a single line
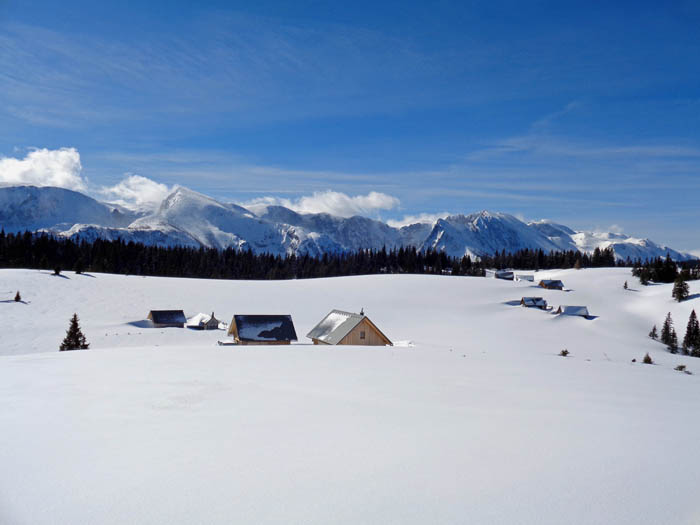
[(372, 337)]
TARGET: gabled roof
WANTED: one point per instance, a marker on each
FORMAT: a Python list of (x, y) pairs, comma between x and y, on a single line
[(336, 325), (533, 301), (573, 310), (263, 328), (167, 316), (551, 282), (202, 319)]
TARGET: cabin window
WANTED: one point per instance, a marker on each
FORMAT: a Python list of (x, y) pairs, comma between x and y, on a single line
[(362, 334)]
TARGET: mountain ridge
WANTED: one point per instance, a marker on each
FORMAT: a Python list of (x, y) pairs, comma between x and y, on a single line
[(188, 218)]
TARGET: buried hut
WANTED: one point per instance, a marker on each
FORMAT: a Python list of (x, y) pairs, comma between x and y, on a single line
[(347, 328), (262, 329), (534, 302), (167, 318), (203, 322), (551, 284), (580, 311)]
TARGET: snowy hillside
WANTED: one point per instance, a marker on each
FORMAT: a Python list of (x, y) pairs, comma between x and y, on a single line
[(478, 420), (188, 218)]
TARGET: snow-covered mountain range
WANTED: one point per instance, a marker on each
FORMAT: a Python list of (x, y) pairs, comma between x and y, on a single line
[(188, 218)]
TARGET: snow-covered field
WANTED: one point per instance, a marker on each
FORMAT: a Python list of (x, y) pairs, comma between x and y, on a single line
[(478, 421)]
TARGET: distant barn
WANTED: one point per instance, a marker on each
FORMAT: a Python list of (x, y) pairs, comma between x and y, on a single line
[(203, 322), (534, 302), (262, 329), (580, 311), (551, 284), (346, 328), (504, 274), (524, 277), (167, 318)]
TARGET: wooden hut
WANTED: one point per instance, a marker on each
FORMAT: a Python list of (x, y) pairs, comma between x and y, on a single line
[(346, 328), (167, 318), (551, 284), (262, 329), (534, 302), (580, 311), (203, 322)]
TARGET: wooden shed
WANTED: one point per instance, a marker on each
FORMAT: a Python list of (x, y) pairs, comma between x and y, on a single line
[(203, 322), (346, 328), (580, 311), (551, 284), (262, 329), (534, 302), (167, 318)]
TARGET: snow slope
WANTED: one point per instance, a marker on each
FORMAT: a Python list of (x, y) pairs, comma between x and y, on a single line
[(478, 421)]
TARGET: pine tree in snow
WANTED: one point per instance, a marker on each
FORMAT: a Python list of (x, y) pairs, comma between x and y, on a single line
[(691, 341), (654, 334), (625, 285), (18, 297), (680, 289), (74, 340), (666, 329), (673, 342)]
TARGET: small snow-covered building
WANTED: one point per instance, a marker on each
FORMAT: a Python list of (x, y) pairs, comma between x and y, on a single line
[(504, 274), (580, 311), (347, 328), (167, 318), (262, 329), (524, 277), (551, 284), (203, 322), (534, 302)]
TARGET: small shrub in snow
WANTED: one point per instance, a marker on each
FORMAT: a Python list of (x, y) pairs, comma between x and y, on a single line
[(680, 368), (647, 359), (625, 285), (18, 297), (564, 353), (57, 270), (634, 360)]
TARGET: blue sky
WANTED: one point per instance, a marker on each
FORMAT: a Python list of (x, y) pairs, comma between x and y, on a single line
[(585, 113)]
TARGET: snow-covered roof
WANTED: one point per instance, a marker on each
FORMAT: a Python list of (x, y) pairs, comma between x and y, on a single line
[(533, 301), (573, 310), (201, 319), (555, 283), (336, 325), (167, 316), (264, 327)]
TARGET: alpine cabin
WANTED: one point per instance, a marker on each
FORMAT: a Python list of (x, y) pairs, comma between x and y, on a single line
[(262, 329), (580, 311), (551, 284), (534, 302), (167, 318), (347, 328), (203, 322)]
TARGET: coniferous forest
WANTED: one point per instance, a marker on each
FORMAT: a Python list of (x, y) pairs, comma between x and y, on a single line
[(45, 251)]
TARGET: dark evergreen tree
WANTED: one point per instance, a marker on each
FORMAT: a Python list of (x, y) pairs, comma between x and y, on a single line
[(57, 270), (673, 342), (691, 341), (666, 329), (654, 334), (625, 285), (647, 359), (18, 297), (680, 289), (74, 340)]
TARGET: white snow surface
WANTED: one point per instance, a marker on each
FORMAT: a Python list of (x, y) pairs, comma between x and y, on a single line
[(477, 420)]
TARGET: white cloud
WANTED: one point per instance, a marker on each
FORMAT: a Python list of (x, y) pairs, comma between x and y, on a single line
[(424, 218), (44, 167), (136, 192), (332, 202)]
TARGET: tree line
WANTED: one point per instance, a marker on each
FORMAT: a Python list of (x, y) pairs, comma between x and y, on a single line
[(46, 251)]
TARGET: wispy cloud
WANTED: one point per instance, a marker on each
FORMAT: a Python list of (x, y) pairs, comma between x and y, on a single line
[(331, 202), (422, 218), (136, 192)]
